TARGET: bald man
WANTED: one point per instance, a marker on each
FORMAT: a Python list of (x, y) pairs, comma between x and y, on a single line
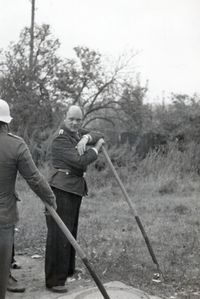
[(70, 159)]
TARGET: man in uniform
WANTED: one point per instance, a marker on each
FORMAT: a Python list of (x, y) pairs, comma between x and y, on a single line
[(70, 160), (14, 157)]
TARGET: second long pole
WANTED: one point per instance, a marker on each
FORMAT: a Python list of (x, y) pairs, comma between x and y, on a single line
[(132, 208)]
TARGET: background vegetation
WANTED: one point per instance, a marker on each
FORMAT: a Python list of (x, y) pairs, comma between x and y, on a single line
[(109, 92)]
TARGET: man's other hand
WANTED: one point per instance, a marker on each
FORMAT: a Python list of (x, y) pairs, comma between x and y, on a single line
[(81, 146)]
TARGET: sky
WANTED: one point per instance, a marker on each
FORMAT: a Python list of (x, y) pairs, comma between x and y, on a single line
[(164, 33)]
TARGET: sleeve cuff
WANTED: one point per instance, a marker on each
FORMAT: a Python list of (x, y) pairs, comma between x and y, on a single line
[(88, 136), (94, 149)]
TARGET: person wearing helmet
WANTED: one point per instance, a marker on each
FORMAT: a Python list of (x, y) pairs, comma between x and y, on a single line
[(14, 157)]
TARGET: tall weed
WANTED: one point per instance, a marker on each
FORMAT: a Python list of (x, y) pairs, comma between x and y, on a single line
[(167, 172)]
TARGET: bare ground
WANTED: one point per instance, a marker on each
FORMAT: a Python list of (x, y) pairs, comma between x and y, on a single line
[(32, 277)]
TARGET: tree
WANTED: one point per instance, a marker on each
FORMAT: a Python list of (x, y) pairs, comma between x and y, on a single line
[(180, 118), (86, 81), (136, 114), (38, 96), (31, 104)]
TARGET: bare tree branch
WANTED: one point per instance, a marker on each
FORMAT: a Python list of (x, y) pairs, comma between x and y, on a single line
[(99, 117)]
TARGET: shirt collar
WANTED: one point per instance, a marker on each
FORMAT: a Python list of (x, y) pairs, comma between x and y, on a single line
[(68, 132)]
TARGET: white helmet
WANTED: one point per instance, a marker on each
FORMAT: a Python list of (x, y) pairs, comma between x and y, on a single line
[(5, 112)]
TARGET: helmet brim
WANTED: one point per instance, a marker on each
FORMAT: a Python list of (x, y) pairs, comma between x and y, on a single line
[(6, 119)]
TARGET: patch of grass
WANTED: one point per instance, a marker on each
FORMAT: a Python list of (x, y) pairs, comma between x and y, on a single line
[(32, 228), (108, 232)]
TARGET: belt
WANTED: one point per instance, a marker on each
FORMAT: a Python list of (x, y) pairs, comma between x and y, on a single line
[(69, 172)]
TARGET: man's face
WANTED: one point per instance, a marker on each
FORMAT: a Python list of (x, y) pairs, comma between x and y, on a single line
[(73, 120)]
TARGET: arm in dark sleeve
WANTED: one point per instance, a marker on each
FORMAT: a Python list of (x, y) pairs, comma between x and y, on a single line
[(65, 153), (94, 136), (31, 174)]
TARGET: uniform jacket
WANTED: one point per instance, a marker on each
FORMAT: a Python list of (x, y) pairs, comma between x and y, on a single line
[(14, 157), (66, 157)]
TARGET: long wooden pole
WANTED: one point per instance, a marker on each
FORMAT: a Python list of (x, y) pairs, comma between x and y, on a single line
[(78, 249), (132, 208)]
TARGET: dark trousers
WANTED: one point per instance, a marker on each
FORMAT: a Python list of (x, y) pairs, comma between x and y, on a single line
[(13, 254), (6, 244), (60, 255)]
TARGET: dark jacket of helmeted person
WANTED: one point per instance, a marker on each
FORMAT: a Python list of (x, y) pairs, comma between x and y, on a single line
[(15, 156)]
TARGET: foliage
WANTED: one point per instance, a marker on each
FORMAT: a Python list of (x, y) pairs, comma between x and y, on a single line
[(181, 118), (30, 93), (86, 81), (136, 115)]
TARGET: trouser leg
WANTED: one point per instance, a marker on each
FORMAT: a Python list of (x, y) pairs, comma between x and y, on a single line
[(6, 243), (13, 254), (73, 252), (58, 248)]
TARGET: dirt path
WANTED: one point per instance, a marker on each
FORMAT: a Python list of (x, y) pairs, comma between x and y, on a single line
[(32, 277)]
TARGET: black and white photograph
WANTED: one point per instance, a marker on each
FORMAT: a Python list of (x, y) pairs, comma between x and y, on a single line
[(99, 149)]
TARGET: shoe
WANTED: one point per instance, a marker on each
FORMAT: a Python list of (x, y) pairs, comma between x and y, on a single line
[(15, 266), (58, 289), (13, 285)]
